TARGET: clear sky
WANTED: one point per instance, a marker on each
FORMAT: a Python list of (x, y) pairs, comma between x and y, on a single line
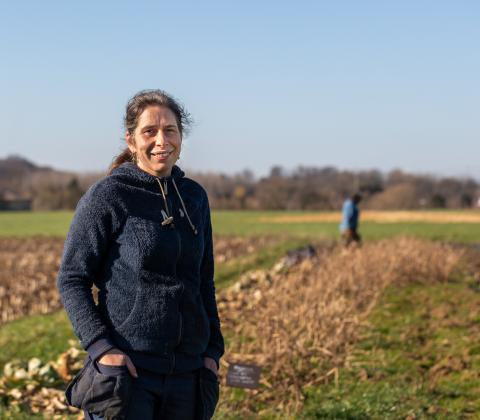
[(353, 84)]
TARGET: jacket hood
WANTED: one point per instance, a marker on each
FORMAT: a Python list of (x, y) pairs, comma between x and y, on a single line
[(130, 173)]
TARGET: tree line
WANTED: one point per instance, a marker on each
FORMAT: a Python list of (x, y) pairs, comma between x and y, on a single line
[(310, 188), (303, 188)]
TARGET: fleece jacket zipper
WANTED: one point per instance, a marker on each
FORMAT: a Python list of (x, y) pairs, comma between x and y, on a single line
[(179, 335)]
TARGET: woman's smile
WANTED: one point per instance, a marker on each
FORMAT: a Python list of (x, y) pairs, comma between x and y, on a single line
[(161, 156)]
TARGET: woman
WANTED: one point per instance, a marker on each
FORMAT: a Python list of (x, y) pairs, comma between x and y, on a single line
[(143, 236)]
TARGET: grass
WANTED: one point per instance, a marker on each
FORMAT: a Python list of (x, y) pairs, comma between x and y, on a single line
[(26, 223), (42, 336), (253, 223), (420, 358), (248, 223)]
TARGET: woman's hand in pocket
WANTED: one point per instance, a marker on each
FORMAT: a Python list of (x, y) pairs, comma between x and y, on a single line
[(116, 357), (209, 363)]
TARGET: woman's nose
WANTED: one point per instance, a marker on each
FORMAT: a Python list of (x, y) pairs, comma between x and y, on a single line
[(161, 138)]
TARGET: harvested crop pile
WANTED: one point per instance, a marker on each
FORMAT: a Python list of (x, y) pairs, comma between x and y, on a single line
[(40, 386), (298, 325), (29, 266)]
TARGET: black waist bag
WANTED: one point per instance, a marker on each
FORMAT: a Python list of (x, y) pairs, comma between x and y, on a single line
[(104, 394)]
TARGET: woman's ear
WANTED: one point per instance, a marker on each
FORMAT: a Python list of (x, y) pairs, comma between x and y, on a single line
[(130, 142)]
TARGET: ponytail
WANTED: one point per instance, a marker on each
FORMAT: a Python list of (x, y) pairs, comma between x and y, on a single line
[(124, 156)]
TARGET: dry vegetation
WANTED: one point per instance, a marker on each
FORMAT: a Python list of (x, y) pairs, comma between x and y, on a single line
[(28, 269), (29, 266), (382, 217), (299, 324)]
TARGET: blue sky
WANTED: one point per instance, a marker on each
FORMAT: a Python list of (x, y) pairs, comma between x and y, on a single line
[(356, 85)]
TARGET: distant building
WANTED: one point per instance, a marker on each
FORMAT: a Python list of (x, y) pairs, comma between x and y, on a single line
[(10, 201)]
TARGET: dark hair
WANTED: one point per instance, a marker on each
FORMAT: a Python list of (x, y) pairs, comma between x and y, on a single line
[(137, 104), (357, 197)]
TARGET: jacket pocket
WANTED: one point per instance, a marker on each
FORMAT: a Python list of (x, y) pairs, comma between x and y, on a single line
[(154, 320), (209, 391), (196, 325), (106, 395)]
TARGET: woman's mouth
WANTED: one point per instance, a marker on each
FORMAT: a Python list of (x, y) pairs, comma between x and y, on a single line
[(160, 156)]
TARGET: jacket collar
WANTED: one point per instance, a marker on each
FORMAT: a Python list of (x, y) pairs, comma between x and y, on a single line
[(129, 171)]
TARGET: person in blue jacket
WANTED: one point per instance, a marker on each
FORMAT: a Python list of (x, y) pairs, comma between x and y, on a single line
[(143, 236), (350, 218)]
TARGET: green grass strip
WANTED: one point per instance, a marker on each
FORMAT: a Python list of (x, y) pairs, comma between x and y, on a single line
[(420, 358)]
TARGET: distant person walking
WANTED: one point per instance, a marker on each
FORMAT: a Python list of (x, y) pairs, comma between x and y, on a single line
[(143, 236), (350, 218)]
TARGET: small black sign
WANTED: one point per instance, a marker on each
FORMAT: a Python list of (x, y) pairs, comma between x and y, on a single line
[(243, 376)]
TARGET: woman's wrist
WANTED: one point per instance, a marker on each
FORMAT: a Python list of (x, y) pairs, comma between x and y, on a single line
[(99, 348), (210, 363)]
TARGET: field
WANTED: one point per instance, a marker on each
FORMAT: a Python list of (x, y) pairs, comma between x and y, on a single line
[(453, 226), (389, 330)]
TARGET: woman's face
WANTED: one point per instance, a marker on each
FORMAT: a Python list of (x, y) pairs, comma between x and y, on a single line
[(156, 140)]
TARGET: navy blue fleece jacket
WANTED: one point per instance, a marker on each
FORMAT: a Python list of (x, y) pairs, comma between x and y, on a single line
[(156, 298)]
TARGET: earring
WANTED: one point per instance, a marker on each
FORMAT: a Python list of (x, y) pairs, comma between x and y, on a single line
[(134, 157)]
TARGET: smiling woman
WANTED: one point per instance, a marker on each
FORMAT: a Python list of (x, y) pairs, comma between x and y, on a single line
[(156, 142), (143, 236), (155, 125)]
